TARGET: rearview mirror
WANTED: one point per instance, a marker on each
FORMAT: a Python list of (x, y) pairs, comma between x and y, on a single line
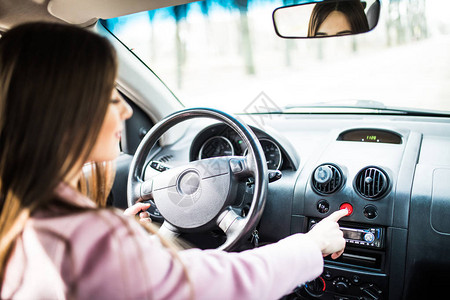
[(321, 18)]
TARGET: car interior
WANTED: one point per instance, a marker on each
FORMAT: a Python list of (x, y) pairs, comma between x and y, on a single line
[(235, 179)]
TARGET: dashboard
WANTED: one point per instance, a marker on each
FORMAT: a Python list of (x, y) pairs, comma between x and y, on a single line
[(392, 171)]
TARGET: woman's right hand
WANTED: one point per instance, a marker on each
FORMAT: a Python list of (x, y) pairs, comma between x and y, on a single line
[(141, 208), (328, 236)]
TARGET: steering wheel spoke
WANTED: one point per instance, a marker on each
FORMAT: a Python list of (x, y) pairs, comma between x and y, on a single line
[(226, 219), (146, 190), (231, 224), (167, 231)]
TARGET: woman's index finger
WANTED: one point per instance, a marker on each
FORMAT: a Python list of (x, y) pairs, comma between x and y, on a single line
[(337, 215)]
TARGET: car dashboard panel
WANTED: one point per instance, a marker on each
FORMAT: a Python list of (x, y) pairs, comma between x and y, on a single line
[(367, 164), (392, 171)]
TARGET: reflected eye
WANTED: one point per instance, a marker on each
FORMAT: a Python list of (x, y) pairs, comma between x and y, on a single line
[(115, 101), (346, 32)]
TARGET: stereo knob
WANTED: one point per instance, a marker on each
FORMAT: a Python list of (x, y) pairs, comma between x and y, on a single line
[(369, 237)]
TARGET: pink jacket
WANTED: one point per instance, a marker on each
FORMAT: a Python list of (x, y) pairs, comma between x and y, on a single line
[(104, 255)]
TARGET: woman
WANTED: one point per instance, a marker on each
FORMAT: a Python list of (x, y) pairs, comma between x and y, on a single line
[(59, 110), (337, 18)]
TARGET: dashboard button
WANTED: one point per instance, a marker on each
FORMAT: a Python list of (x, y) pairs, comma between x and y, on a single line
[(236, 165), (370, 211), (348, 207), (323, 206)]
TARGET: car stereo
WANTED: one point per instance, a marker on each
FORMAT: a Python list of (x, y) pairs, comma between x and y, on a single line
[(372, 237)]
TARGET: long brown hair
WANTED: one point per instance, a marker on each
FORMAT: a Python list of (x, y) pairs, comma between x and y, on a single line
[(96, 180), (353, 9), (45, 139)]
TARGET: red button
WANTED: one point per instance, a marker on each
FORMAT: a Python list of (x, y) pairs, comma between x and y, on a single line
[(348, 207)]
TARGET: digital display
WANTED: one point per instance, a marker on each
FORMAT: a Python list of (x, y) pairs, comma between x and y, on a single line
[(353, 235), (370, 136)]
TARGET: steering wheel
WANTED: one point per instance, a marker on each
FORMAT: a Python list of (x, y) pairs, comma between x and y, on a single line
[(200, 195)]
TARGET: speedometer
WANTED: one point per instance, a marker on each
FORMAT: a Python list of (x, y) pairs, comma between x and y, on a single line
[(216, 146), (272, 153)]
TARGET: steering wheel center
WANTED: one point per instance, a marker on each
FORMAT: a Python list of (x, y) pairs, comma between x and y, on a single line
[(188, 184)]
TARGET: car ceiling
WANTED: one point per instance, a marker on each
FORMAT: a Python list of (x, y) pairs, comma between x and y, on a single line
[(79, 12)]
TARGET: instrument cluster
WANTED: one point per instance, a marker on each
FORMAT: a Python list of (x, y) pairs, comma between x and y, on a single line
[(220, 140)]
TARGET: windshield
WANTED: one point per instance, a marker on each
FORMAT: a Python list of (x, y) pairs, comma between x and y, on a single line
[(226, 55)]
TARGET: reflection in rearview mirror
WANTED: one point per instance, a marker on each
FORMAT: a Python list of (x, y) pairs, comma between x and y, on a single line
[(326, 18)]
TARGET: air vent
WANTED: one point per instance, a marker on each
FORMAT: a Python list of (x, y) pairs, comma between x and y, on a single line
[(327, 179), (371, 183), (165, 158)]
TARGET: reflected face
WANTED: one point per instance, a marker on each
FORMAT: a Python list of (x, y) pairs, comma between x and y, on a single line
[(106, 147), (335, 24)]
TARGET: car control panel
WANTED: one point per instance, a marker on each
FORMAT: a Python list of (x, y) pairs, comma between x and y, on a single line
[(372, 237), (343, 285)]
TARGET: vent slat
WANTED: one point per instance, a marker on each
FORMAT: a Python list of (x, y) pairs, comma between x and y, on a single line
[(371, 183), (361, 181), (380, 182)]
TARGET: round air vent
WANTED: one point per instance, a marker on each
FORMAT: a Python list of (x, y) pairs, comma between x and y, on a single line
[(327, 179), (371, 183)]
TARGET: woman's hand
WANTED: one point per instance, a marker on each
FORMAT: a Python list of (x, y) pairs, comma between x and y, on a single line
[(328, 236), (141, 208)]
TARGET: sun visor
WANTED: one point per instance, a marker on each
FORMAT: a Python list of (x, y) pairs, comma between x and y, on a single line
[(88, 11)]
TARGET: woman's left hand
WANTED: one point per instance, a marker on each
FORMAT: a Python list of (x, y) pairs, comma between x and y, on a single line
[(141, 208)]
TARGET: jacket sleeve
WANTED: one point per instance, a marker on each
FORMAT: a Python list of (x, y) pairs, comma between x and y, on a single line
[(268, 272), (126, 262)]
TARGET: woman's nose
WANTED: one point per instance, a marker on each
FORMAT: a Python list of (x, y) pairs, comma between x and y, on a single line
[(126, 111)]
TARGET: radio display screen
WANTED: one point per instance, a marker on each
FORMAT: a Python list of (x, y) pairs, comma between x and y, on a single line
[(353, 235)]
